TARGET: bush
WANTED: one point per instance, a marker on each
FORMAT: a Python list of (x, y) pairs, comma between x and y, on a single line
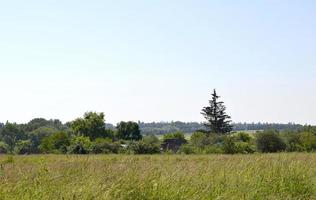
[(80, 145), (301, 142), (151, 139), (293, 142), (3, 148), (200, 139), (244, 148), (176, 135), (148, 145), (110, 134), (240, 143), (188, 149), (37, 136), (105, 146), (229, 146), (213, 149), (23, 147), (310, 129), (270, 142), (243, 137), (308, 141), (56, 143)]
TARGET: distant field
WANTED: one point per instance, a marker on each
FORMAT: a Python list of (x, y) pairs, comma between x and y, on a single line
[(188, 135), (269, 176)]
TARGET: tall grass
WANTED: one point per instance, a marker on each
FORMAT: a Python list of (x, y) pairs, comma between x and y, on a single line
[(269, 176)]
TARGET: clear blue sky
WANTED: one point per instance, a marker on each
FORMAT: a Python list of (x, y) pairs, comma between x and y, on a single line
[(158, 60)]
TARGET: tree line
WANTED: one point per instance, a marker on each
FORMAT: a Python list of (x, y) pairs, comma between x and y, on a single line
[(90, 134), (52, 136), (161, 128)]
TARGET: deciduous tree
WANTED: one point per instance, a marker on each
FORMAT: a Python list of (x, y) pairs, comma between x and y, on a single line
[(92, 125), (128, 131)]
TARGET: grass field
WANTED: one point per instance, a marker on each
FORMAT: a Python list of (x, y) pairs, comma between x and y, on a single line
[(270, 176)]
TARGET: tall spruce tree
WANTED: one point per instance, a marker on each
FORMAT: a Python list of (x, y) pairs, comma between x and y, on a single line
[(217, 119)]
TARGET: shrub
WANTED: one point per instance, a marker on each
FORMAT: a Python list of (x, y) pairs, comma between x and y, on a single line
[(80, 145), (310, 129), (151, 139), (176, 135), (300, 141), (240, 143), (104, 146), (188, 149), (308, 141), (243, 137), (148, 145), (293, 142), (213, 149), (244, 148), (23, 147), (55, 143), (270, 142), (3, 147), (37, 136), (110, 134), (229, 146), (200, 139), (142, 148)]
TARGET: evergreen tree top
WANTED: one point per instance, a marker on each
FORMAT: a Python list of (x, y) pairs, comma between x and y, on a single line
[(215, 114)]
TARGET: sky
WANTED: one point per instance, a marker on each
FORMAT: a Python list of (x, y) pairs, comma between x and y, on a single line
[(158, 60)]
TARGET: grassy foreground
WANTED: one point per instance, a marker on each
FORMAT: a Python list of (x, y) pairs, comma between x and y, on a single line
[(270, 176)]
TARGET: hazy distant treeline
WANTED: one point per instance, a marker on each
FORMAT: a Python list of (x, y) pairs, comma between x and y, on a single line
[(161, 128)]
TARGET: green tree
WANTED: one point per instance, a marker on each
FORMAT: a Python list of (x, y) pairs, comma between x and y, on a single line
[(105, 146), (200, 139), (300, 141), (128, 131), (80, 145), (243, 137), (23, 147), (229, 145), (37, 135), (3, 147), (308, 141), (92, 125), (239, 143), (10, 134), (269, 142), (41, 122), (56, 142), (215, 114), (148, 145)]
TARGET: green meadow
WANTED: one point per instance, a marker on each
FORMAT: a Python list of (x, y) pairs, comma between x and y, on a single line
[(256, 176)]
